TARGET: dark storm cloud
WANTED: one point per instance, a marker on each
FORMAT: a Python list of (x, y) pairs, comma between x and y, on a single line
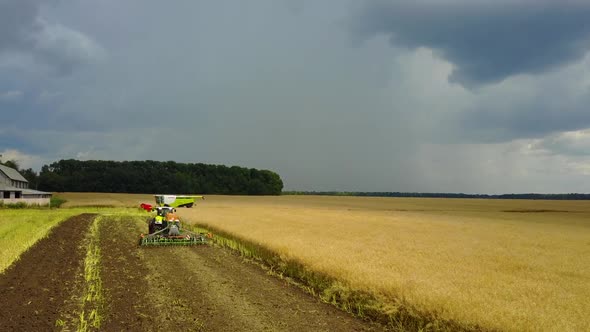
[(16, 138), (25, 33), (280, 85), (525, 107), (17, 22), (488, 124), (487, 41), (26, 114), (573, 143)]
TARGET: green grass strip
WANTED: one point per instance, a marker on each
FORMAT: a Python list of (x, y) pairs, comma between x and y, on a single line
[(92, 300)]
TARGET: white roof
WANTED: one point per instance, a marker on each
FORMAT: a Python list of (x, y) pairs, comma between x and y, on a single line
[(34, 192)]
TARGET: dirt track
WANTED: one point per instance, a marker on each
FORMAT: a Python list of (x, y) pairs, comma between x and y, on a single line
[(159, 289)]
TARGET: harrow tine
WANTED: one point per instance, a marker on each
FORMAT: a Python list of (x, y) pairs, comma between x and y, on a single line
[(163, 241)]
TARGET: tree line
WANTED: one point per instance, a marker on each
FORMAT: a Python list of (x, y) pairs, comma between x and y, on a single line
[(173, 178), (569, 196), (152, 177)]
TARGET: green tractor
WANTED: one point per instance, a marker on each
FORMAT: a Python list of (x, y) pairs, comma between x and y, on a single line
[(165, 230)]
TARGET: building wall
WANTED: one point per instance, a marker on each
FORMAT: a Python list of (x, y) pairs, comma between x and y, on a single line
[(19, 184), (4, 179), (14, 183), (30, 201)]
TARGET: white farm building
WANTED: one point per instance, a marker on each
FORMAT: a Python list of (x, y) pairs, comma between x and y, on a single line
[(14, 188)]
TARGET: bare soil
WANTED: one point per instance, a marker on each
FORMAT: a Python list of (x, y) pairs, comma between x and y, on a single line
[(124, 279), (211, 289), (206, 288), (34, 289), (203, 288)]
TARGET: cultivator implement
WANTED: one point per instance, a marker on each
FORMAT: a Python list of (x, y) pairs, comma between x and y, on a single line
[(173, 236)]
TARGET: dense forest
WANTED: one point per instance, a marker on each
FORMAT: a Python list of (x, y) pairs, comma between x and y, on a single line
[(571, 196), (153, 177)]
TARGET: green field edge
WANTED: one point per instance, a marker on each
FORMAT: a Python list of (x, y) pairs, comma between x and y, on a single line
[(394, 313), (37, 233)]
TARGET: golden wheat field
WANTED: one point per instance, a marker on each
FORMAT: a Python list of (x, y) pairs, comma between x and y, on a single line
[(511, 265)]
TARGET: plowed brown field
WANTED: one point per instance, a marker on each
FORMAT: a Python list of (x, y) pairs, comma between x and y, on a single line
[(201, 288), (35, 289)]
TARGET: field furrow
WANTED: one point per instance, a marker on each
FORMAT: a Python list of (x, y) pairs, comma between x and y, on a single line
[(35, 290), (127, 299)]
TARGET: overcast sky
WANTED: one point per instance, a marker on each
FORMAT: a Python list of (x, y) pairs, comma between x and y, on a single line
[(422, 95)]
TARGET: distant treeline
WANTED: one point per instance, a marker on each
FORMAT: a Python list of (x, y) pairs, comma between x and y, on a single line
[(156, 177), (572, 196)]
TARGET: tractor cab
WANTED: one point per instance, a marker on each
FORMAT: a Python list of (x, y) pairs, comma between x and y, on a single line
[(162, 211), (165, 227), (160, 221)]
